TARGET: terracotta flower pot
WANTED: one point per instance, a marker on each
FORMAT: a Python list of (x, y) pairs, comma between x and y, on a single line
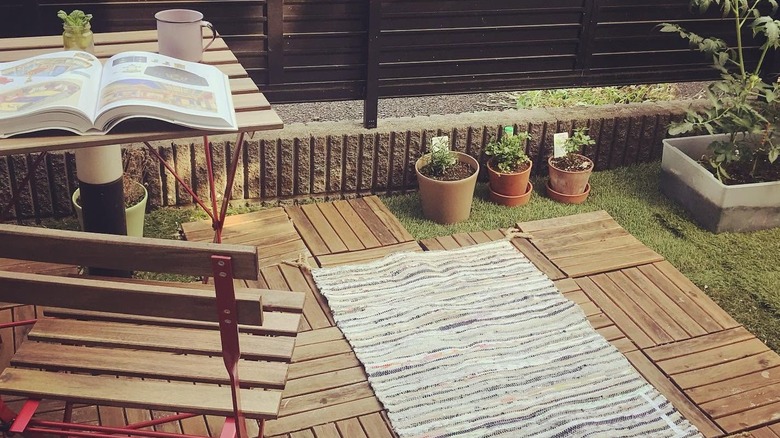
[(567, 182), (509, 184), (513, 201), (568, 199), (447, 202)]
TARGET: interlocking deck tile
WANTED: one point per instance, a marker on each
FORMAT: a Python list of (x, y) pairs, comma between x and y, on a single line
[(587, 243), (731, 375), (271, 231), (347, 226)]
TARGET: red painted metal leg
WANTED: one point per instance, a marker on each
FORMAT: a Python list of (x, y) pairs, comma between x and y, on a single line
[(156, 421), (229, 429), (25, 415), (228, 329)]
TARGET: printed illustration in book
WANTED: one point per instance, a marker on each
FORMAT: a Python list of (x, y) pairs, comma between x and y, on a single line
[(71, 90)]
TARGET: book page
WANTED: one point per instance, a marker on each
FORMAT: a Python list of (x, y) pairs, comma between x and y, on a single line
[(166, 86), (62, 81)]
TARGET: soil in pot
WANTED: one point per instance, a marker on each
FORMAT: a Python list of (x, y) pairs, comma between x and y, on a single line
[(509, 184), (743, 172), (458, 171), (512, 201), (569, 175)]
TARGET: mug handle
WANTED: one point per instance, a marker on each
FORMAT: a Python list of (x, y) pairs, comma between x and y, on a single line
[(205, 23)]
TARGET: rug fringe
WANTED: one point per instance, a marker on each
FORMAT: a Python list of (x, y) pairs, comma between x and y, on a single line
[(301, 262), (515, 232)]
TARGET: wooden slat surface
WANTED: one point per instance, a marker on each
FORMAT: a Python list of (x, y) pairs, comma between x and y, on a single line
[(366, 255), (587, 244), (177, 340), (252, 110), (138, 299), (110, 391), (149, 364), (122, 252), (269, 230), (731, 374)]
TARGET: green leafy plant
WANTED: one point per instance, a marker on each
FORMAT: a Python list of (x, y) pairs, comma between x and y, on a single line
[(570, 97), (742, 104), (442, 158), (577, 141), (76, 19), (509, 151)]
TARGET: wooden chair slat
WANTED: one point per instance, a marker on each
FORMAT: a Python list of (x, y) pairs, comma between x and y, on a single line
[(122, 252), (133, 393), (147, 364), (140, 299), (274, 323), (176, 340)]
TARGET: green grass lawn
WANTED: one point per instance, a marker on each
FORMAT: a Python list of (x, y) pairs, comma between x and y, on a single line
[(740, 271)]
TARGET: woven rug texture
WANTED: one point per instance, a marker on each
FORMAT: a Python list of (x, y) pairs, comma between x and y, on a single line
[(477, 342)]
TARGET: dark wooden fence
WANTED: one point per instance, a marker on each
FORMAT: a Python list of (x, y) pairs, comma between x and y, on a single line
[(312, 50)]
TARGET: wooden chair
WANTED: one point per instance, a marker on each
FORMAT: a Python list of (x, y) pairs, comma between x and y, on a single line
[(138, 345)]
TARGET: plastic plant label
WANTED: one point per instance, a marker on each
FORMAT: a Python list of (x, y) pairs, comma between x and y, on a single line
[(559, 140), (438, 143)]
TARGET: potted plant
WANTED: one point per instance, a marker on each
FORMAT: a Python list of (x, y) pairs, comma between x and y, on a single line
[(570, 171), (77, 31), (136, 198), (446, 180), (728, 178), (509, 168)]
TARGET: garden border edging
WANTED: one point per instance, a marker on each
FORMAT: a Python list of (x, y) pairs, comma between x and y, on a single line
[(325, 160)]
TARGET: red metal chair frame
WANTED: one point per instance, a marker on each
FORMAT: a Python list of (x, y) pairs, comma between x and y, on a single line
[(234, 427)]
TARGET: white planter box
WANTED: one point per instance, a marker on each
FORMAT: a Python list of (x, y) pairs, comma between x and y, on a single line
[(716, 206)]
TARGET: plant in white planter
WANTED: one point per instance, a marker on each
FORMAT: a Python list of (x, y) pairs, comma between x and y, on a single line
[(135, 200), (740, 102), (744, 109)]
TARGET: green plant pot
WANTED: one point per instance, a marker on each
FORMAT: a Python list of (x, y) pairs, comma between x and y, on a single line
[(134, 215)]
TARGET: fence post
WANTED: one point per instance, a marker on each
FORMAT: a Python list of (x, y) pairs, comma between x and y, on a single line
[(585, 48), (371, 94), (274, 30)]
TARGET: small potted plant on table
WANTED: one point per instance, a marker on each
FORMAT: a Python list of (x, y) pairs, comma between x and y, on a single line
[(446, 180), (77, 31), (509, 169), (570, 171)]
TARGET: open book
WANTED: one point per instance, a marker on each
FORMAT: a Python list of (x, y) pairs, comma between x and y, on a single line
[(71, 90)]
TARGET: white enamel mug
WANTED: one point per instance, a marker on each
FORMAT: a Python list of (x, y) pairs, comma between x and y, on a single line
[(179, 34)]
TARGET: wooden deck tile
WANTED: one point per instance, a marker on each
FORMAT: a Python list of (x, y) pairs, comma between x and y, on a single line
[(326, 385), (468, 239), (366, 255), (687, 408), (731, 375), (271, 231), (655, 305), (347, 226), (772, 431), (588, 243)]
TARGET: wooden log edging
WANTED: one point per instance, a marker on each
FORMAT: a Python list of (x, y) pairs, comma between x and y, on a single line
[(327, 160)]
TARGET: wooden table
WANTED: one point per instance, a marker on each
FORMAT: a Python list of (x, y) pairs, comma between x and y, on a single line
[(253, 112)]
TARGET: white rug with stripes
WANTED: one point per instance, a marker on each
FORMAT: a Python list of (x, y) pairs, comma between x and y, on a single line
[(477, 342)]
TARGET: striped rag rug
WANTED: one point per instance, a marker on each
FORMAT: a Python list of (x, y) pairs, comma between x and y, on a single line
[(477, 342)]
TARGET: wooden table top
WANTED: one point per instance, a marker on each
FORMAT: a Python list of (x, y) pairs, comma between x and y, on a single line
[(253, 112)]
